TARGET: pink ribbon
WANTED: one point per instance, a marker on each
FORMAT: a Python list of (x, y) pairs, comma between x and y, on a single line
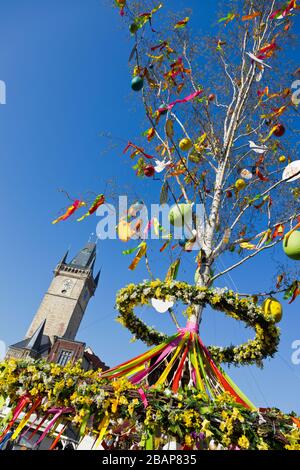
[(190, 327), (141, 375), (184, 100), (57, 413), (143, 397)]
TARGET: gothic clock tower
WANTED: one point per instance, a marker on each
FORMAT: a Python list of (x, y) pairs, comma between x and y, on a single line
[(65, 301), (60, 313)]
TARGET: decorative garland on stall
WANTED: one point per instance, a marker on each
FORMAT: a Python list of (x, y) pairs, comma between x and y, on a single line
[(243, 309), (115, 413)]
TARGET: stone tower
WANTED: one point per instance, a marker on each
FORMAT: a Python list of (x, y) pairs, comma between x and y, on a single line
[(65, 302)]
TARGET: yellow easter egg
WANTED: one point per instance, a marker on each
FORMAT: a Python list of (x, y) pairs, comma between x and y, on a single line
[(272, 308), (185, 144), (240, 184)]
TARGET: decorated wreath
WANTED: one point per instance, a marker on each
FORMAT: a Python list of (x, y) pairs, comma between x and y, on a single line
[(244, 309)]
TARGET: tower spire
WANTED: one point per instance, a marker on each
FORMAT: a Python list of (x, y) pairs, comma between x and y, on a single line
[(96, 280), (86, 256)]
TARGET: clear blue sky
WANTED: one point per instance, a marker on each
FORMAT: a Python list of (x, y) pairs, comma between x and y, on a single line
[(65, 66)]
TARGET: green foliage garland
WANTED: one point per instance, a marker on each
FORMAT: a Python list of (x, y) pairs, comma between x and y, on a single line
[(244, 309)]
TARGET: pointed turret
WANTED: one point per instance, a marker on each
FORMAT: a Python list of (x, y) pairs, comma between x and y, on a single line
[(96, 280), (35, 342)]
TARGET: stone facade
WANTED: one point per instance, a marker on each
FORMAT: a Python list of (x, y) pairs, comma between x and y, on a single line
[(64, 303)]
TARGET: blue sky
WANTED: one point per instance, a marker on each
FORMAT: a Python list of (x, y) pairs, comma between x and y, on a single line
[(65, 64)]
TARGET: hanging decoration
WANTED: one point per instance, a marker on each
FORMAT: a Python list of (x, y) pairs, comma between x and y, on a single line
[(182, 24), (180, 215), (273, 308), (284, 11), (70, 211), (99, 201), (292, 171), (291, 245), (183, 100)]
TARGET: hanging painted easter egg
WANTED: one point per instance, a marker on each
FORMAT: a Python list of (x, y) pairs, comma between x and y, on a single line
[(161, 306), (162, 109), (125, 231), (240, 184), (292, 171), (228, 194), (291, 245), (137, 83), (149, 171), (279, 131), (185, 144), (282, 159), (272, 308), (180, 215), (246, 174), (133, 28), (183, 241), (211, 97)]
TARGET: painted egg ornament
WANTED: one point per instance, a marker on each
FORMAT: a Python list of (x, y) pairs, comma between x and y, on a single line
[(180, 215), (229, 194), (161, 306), (246, 174), (272, 308), (211, 97), (282, 159), (133, 28), (162, 109), (137, 83), (240, 184), (149, 171), (291, 245), (292, 171), (185, 144), (183, 241), (280, 130)]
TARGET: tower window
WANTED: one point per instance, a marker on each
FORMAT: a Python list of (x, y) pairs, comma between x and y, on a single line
[(64, 357)]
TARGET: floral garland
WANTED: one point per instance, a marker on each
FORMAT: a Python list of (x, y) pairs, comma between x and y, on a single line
[(188, 417), (252, 352)]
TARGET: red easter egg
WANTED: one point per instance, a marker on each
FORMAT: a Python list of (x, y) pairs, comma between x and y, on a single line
[(149, 171), (280, 130)]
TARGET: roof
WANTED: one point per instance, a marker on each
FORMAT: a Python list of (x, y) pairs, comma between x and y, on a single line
[(95, 361), (86, 257), (38, 342), (45, 345)]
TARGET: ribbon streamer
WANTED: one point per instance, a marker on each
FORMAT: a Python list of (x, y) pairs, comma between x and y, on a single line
[(183, 100)]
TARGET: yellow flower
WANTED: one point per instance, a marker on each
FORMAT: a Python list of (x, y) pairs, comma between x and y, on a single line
[(262, 445), (188, 440), (243, 442)]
